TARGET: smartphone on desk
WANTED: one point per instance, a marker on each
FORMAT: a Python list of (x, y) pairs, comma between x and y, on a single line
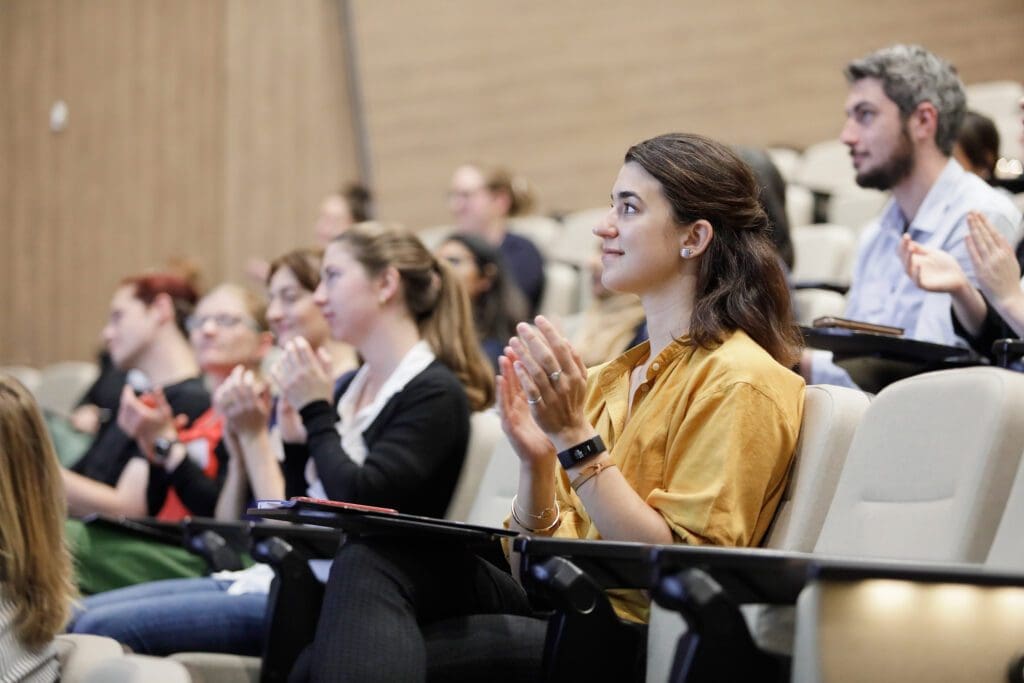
[(857, 326)]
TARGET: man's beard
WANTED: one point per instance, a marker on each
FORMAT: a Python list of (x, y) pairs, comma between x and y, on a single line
[(897, 167)]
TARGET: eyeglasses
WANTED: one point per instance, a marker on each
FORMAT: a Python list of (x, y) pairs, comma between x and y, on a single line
[(221, 320)]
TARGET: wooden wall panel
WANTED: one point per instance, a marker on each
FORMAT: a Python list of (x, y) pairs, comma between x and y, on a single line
[(288, 135), (558, 90), (197, 129)]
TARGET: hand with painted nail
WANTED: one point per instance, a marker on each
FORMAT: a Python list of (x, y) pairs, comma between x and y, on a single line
[(553, 380)]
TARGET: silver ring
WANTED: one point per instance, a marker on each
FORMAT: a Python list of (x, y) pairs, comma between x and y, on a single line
[(554, 376), (533, 401)]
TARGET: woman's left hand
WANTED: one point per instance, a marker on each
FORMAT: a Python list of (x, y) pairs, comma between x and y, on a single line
[(302, 374), (554, 380)]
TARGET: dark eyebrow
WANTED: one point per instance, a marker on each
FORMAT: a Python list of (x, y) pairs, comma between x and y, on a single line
[(861, 107), (626, 194)]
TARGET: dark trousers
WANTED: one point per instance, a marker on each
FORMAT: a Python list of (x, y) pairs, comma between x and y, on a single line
[(396, 609)]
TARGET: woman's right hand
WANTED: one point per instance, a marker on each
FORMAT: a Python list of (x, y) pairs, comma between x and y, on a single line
[(528, 440), (244, 401)]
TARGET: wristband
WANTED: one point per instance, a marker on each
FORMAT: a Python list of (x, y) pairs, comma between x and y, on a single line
[(571, 457), (162, 448)]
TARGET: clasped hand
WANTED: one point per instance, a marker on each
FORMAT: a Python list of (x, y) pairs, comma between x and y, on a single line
[(541, 390), (244, 401), (147, 417), (303, 375)]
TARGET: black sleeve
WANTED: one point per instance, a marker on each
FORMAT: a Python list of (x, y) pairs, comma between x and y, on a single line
[(294, 467), (992, 328), (420, 432), (197, 491)]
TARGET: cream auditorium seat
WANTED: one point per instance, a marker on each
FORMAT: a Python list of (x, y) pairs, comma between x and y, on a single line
[(831, 416), (823, 254)]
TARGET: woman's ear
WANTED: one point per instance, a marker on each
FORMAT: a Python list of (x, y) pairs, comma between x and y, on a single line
[(387, 284), (695, 239)]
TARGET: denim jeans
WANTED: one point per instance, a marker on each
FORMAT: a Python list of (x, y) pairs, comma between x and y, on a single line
[(177, 615)]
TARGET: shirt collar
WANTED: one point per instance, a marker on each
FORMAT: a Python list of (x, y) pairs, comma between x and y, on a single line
[(930, 216)]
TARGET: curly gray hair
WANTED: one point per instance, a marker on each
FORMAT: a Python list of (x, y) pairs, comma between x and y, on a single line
[(910, 75)]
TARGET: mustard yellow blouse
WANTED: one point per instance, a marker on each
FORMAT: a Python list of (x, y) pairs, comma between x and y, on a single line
[(708, 444)]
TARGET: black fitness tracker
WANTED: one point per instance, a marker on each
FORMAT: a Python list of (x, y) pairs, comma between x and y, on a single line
[(573, 456)]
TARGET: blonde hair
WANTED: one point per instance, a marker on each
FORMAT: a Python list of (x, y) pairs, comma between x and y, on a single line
[(35, 565), (435, 299)]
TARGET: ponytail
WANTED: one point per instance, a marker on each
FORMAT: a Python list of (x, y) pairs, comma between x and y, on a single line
[(434, 297), (449, 330)]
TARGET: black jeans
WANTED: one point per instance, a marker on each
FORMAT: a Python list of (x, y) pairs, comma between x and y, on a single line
[(396, 607)]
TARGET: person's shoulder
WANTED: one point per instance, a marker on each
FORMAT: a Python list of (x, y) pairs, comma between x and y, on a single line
[(436, 377), (739, 360), (519, 244), (190, 391)]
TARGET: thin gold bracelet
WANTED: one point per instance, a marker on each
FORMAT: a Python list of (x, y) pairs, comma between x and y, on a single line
[(550, 527), (589, 472)]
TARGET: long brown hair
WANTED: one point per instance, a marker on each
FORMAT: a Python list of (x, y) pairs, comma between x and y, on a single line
[(35, 565), (433, 296), (740, 284)]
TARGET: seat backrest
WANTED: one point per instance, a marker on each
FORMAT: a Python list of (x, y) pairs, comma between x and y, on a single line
[(576, 243), (813, 303), (95, 659), (25, 374), (882, 630), (484, 433), (830, 419), (61, 385), (825, 167), (831, 416), (561, 289), (930, 468), (1007, 551), (823, 252), (541, 230), (499, 484)]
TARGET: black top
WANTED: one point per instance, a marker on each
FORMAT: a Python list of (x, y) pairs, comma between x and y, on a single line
[(526, 266), (416, 447), (197, 491), (105, 392), (994, 327), (111, 450)]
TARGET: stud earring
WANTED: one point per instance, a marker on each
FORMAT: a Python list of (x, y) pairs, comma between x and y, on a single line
[(686, 252)]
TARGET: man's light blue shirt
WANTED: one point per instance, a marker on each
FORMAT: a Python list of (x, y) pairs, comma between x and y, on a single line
[(881, 292)]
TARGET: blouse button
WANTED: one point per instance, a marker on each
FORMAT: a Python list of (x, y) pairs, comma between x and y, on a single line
[(655, 367)]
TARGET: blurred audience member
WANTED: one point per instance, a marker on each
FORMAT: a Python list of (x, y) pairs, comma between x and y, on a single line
[(611, 323), (180, 464), (253, 420), (497, 304), (772, 198), (977, 145), (36, 588), (341, 210), (904, 110), (145, 332), (481, 201)]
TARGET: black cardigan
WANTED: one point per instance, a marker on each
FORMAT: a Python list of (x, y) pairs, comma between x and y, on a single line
[(416, 447)]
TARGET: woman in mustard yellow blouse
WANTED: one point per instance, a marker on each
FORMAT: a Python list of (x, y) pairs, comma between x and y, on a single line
[(686, 438)]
